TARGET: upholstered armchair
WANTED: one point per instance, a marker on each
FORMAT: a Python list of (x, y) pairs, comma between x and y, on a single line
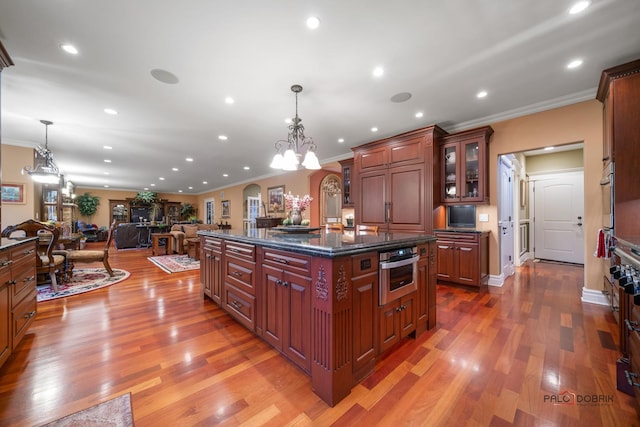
[(181, 232)]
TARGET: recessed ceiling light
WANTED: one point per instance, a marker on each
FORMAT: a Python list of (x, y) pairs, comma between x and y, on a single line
[(107, 161), (340, 140), (107, 147), (190, 188), (111, 111), (189, 159), (146, 188), (482, 94), (313, 22), (378, 72), (69, 48), (106, 186), (229, 100), (548, 148), (175, 169), (106, 173), (225, 175), (179, 191), (205, 182), (374, 129), (574, 64), (419, 115), (246, 168), (579, 7), (153, 185), (161, 178), (222, 137)]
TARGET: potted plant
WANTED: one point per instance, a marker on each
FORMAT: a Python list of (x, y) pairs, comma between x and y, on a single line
[(87, 204), (187, 211), (149, 198)]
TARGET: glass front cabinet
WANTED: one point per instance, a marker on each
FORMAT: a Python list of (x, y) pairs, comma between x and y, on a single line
[(465, 166)]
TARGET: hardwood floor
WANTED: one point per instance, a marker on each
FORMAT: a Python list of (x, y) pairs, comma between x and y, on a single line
[(499, 356)]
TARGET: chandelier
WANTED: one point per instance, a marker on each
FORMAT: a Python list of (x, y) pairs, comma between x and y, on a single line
[(45, 170), (290, 151)]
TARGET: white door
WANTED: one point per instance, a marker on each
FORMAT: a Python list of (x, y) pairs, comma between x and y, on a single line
[(209, 211), (559, 213), (253, 211), (505, 220)]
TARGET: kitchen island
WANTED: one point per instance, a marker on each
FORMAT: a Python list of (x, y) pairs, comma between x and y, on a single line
[(314, 296)]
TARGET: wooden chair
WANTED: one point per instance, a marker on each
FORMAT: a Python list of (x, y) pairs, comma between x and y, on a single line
[(47, 262), (334, 226), (361, 228), (77, 256)]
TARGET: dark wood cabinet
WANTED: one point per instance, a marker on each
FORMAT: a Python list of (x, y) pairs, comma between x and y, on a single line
[(464, 166), (18, 306), (268, 222), (463, 257), (239, 282), (619, 90), (211, 272), (365, 308), (396, 321), (426, 298), (394, 188), (286, 306), (347, 176)]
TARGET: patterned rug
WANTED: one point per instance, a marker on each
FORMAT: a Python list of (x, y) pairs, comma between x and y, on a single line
[(83, 280), (115, 413), (175, 263)]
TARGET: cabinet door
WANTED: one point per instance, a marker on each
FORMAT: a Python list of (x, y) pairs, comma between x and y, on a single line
[(347, 195), (607, 140), (5, 329), (408, 314), (206, 278), (373, 158), (297, 319), (272, 305), (450, 172), (446, 260), (468, 265), (373, 198), (216, 276), (365, 306), (406, 198), (388, 326), (422, 305), (473, 171)]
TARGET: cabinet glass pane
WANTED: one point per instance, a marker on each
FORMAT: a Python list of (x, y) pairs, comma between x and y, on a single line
[(450, 173), (471, 170), (346, 179)]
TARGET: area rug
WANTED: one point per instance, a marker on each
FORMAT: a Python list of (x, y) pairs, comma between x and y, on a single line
[(83, 280), (112, 413), (175, 263)]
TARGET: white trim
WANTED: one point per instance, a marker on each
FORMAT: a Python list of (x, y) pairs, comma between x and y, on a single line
[(496, 280), (592, 296), (537, 176)]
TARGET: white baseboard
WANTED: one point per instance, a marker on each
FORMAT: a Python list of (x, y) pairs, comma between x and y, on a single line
[(593, 296), (496, 280)]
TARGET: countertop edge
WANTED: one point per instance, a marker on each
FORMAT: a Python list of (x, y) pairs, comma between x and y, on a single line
[(9, 243)]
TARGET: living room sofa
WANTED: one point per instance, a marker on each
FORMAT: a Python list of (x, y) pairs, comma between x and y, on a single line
[(181, 232), (127, 236)]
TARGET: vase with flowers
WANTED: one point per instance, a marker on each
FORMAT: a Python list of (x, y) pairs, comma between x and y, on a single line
[(296, 205)]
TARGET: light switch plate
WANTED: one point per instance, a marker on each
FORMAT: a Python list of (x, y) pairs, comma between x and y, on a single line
[(483, 217)]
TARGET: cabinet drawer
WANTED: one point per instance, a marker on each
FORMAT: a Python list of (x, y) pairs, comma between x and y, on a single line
[(24, 282), (240, 250), (22, 316), (213, 244), (241, 306), (241, 274), (287, 260), (23, 253), (365, 263), (465, 237)]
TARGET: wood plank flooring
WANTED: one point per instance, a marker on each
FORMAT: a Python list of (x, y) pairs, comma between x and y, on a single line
[(499, 356)]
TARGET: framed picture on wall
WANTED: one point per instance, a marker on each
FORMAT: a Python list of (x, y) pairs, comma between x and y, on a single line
[(275, 197), (13, 194), (226, 209)]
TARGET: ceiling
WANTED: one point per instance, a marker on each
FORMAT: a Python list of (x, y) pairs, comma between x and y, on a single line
[(442, 53)]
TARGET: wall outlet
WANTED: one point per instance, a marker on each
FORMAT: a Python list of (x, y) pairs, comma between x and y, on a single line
[(483, 217)]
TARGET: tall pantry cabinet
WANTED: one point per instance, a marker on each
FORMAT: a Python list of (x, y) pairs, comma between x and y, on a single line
[(393, 181)]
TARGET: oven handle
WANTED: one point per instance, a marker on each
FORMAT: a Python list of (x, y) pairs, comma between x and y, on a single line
[(386, 265)]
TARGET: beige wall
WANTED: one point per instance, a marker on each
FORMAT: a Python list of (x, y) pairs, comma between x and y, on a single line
[(580, 122), (558, 161), (13, 160)]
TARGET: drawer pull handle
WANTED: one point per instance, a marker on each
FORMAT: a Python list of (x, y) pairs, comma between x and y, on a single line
[(285, 284), (237, 274), (29, 252), (629, 376), (29, 315), (236, 305), (281, 260), (5, 263), (29, 279), (632, 326)]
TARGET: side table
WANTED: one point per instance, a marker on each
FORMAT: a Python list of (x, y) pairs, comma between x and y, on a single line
[(193, 248), (155, 242)]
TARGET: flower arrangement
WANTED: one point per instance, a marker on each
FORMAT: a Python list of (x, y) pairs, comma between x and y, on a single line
[(297, 203)]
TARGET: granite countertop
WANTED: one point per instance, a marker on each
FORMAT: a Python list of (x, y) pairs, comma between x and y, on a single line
[(322, 243), (6, 243)]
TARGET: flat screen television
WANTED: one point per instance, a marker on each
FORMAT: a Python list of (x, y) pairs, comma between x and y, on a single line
[(461, 216)]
